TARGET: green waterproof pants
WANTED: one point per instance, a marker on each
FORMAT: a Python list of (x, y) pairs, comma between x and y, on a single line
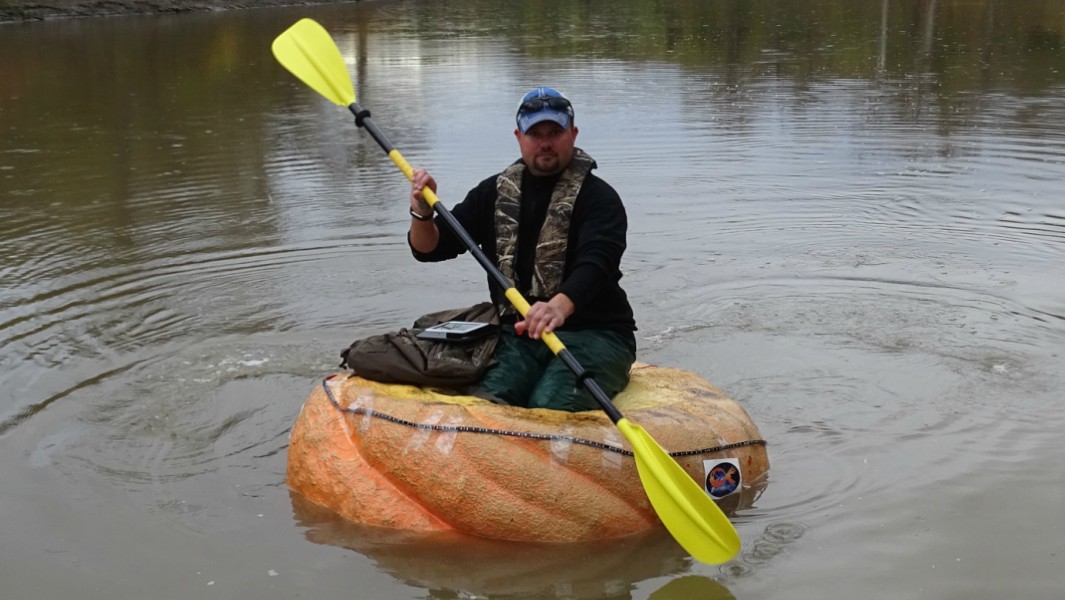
[(528, 374)]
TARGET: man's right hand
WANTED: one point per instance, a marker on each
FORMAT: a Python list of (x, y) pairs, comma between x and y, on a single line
[(424, 236), (420, 180)]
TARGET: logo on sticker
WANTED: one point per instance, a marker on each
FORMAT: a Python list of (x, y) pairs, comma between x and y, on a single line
[(722, 477)]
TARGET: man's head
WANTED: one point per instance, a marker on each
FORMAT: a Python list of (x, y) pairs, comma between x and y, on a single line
[(545, 132)]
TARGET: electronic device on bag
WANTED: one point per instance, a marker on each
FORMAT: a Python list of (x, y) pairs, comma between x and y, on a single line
[(456, 331)]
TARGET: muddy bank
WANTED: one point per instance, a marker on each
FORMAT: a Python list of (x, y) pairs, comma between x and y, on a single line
[(59, 9)]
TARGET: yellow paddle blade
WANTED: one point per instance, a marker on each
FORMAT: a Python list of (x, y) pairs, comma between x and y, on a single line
[(686, 510), (307, 50)]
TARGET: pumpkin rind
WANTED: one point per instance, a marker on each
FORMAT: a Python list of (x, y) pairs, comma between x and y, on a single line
[(408, 458)]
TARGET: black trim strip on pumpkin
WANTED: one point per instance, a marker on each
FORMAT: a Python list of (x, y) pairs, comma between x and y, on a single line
[(521, 434)]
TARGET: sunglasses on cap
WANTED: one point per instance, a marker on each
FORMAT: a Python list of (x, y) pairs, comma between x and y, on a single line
[(538, 104)]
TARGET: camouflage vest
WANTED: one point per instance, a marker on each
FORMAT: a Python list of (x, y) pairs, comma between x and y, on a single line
[(550, 262)]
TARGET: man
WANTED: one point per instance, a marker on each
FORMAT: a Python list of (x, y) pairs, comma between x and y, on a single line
[(558, 232)]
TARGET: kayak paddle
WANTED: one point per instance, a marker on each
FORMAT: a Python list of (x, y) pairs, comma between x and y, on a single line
[(307, 50)]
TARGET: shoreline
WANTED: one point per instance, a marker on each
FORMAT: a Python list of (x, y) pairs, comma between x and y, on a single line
[(46, 10)]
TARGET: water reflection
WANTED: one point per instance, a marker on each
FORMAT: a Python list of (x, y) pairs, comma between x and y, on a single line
[(692, 587), (457, 566)]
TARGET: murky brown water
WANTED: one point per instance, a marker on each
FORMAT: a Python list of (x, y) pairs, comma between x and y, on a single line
[(847, 215)]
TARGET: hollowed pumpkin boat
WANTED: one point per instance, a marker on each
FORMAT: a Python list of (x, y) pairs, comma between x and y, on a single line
[(424, 460)]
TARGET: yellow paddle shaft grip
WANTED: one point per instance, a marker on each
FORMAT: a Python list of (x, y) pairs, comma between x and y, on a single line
[(522, 305), (430, 197)]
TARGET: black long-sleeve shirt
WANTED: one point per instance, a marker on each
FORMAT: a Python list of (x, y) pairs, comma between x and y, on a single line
[(596, 243)]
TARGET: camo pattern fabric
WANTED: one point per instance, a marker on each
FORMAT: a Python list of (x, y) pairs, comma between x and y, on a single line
[(550, 261)]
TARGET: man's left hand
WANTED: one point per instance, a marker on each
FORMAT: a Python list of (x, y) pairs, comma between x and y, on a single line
[(545, 317)]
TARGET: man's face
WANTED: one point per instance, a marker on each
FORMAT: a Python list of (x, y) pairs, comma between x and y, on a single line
[(546, 147)]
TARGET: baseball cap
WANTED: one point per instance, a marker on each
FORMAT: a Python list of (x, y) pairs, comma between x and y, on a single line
[(544, 104)]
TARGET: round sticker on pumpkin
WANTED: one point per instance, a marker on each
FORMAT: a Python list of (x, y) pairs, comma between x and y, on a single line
[(722, 477)]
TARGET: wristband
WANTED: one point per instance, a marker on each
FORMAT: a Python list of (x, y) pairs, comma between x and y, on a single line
[(420, 217)]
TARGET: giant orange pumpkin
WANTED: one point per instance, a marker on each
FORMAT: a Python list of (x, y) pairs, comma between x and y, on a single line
[(416, 459)]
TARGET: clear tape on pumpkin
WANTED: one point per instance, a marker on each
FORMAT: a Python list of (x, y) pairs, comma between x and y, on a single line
[(556, 440)]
